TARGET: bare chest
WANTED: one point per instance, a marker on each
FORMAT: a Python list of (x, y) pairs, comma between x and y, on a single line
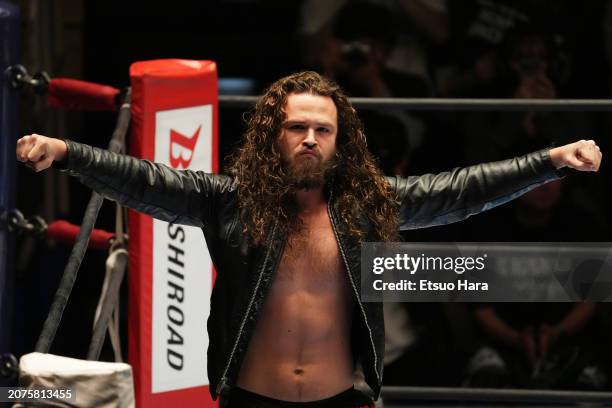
[(312, 262)]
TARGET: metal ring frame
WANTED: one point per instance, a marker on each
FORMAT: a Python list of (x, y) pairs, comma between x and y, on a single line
[(449, 104), (482, 395)]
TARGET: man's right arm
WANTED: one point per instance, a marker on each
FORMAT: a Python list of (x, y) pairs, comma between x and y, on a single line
[(178, 196)]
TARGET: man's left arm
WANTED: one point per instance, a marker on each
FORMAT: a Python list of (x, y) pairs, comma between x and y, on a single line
[(438, 199)]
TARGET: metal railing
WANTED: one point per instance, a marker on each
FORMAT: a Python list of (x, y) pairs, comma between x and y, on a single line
[(450, 104), (488, 395)]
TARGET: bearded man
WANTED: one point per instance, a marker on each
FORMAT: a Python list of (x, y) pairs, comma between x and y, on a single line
[(287, 326)]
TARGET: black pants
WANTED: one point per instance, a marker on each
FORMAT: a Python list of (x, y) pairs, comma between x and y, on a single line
[(351, 398)]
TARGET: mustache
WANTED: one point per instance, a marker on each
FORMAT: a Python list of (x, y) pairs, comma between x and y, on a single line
[(309, 151)]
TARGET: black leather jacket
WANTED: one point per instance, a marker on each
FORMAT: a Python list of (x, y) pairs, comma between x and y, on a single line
[(246, 273)]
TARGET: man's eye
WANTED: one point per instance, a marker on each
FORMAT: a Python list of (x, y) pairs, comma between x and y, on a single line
[(297, 127), (323, 130)]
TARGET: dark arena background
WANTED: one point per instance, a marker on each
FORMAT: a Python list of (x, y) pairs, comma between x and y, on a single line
[(420, 56)]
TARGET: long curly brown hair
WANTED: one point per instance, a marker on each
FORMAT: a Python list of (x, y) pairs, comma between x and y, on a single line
[(264, 196)]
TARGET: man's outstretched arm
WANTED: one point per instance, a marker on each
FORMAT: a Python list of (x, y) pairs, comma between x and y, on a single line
[(179, 196), (437, 199)]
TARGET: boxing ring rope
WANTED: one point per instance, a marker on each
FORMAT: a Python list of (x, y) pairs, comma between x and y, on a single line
[(67, 93), (81, 95), (78, 251), (77, 95), (482, 395), (449, 104), (58, 230), (65, 232), (70, 94)]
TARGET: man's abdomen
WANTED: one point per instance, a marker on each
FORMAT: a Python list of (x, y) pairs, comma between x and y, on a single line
[(300, 350)]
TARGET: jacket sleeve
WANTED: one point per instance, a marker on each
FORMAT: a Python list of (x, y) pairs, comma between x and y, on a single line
[(178, 196), (438, 199)]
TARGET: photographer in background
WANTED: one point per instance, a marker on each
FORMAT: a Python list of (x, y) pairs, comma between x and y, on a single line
[(528, 65), (365, 35), (422, 28)]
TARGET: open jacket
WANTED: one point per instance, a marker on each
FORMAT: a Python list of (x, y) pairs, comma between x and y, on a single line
[(245, 273)]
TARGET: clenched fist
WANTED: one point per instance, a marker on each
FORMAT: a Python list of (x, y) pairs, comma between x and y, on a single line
[(39, 152), (583, 155)]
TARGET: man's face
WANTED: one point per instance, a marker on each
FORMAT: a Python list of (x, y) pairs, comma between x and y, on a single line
[(531, 57), (307, 141)]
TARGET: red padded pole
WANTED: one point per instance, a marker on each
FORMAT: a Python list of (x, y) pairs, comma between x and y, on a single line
[(66, 232), (74, 94)]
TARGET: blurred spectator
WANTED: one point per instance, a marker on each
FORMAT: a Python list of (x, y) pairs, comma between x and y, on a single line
[(527, 66), (420, 24), (527, 69), (480, 27), (536, 347), (424, 29), (364, 36)]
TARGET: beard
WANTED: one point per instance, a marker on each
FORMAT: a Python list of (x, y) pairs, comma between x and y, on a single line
[(305, 172)]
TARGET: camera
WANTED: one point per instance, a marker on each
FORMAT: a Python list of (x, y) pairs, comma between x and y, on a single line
[(356, 53)]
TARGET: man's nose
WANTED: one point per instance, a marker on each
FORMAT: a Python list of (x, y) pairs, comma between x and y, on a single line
[(310, 139)]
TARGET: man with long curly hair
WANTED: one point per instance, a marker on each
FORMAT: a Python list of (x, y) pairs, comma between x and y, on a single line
[(287, 326)]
